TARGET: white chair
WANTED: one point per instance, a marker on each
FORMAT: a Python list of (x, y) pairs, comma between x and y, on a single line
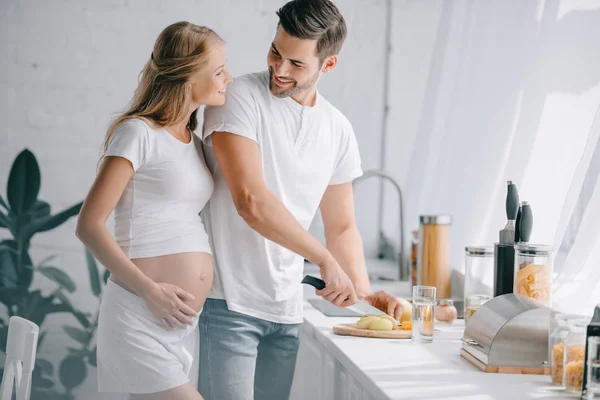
[(20, 358)]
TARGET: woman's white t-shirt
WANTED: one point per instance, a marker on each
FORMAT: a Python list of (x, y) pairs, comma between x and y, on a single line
[(159, 211)]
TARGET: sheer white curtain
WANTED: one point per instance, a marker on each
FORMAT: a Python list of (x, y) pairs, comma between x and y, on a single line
[(511, 94), (577, 263)]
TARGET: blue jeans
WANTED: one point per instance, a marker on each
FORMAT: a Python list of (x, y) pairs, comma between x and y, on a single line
[(245, 358)]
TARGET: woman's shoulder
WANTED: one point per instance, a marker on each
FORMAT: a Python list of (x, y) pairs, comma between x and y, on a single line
[(138, 128)]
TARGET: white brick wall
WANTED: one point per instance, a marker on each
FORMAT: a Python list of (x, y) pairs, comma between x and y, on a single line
[(68, 66)]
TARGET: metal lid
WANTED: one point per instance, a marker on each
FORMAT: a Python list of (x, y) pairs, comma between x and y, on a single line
[(579, 325), (436, 219), (563, 319), (481, 251), (533, 249), (446, 302)]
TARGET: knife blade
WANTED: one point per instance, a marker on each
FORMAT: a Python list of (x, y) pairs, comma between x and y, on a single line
[(360, 307)]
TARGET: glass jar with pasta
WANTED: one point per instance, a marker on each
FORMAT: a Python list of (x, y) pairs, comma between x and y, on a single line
[(574, 353), (559, 329), (533, 272)]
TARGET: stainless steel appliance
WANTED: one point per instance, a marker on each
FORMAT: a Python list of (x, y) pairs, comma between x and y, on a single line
[(509, 331)]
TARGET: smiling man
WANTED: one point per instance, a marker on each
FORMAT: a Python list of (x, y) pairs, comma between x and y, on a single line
[(279, 151)]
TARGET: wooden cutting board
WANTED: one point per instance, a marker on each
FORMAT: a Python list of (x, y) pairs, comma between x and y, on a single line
[(498, 369), (350, 330)]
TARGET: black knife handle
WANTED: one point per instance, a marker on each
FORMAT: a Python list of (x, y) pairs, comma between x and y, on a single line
[(517, 227), (317, 283), (512, 201), (526, 223)]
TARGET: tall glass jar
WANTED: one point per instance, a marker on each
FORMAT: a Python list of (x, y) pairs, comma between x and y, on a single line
[(559, 331), (479, 274), (413, 256), (574, 353), (533, 272), (433, 260)]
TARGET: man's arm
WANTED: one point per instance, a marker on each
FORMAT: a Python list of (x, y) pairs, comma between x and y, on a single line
[(342, 235), (239, 160), (345, 243)]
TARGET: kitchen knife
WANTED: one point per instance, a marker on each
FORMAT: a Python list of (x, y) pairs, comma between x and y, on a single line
[(507, 235), (518, 226), (360, 307), (526, 223)]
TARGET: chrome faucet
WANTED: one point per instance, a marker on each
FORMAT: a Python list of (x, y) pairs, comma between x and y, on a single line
[(403, 271)]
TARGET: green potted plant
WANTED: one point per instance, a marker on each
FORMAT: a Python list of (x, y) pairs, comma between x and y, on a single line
[(24, 215)]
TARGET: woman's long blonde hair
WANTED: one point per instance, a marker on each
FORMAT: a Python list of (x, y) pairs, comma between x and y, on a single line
[(162, 95)]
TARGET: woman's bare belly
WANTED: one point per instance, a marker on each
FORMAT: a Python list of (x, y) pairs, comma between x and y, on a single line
[(192, 272)]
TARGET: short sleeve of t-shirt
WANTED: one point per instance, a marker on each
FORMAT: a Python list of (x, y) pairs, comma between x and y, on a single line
[(130, 140), (348, 166), (238, 115)]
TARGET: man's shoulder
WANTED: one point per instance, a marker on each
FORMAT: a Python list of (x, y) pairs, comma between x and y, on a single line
[(251, 84), (334, 113)]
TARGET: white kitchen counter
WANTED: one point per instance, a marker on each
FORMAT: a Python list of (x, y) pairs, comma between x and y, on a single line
[(340, 367)]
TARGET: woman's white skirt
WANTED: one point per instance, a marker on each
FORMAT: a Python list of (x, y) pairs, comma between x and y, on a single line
[(135, 353)]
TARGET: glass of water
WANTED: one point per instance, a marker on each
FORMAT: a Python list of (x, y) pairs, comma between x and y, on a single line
[(422, 313), (593, 368)]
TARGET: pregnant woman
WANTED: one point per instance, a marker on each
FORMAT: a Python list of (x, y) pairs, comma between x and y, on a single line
[(154, 177)]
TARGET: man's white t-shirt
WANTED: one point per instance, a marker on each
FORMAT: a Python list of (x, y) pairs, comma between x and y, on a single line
[(304, 150)]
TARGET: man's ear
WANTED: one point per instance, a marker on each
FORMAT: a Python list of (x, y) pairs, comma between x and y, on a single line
[(329, 63)]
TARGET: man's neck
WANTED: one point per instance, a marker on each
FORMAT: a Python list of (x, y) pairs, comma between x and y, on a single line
[(306, 98)]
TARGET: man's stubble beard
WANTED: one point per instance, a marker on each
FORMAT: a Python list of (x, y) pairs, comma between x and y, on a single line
[(295, 89)]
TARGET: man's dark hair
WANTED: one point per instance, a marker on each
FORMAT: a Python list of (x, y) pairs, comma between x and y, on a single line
[(316, 20)]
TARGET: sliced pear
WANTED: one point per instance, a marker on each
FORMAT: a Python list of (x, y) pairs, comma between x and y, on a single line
[(381, 324), (364, 322), (407, 310), (391, 319)]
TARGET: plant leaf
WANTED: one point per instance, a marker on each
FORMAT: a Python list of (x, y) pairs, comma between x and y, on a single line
[(23, 183), (42, 383), (8, 265), (50, 221), (4, 221), (46, 260), (81, 317), (93, 272), (3, 337), (3, 204), (15, 265), (12, 296), (73, 372), (40, 313), (9, 245), (76, 334), (106, 276), (41, 338), (92, 359), (40, 209), (28, 307), (45, 366), (59, 277), (25, 272)]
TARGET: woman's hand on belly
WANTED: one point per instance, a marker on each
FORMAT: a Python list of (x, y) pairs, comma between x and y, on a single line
[(166, 302), (192, 272)]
